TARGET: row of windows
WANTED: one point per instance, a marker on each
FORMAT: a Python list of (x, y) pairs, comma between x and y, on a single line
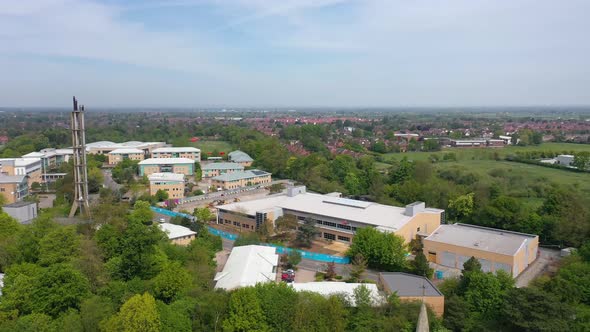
[(330, 236)]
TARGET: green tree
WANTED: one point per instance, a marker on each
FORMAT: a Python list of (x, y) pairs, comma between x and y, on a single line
[(95, 311), (402, 172), (59, 245), (203, 214), (293, 258), (142, 212), (385, 251), (306, 233), (171, 282), (245, 312), (431, 145), (358, 267), (58, 288), (198, 171), (582, 160), (175, 317), (139, 313), (287, 222), (420, 266), (462, 206), (161, 195)]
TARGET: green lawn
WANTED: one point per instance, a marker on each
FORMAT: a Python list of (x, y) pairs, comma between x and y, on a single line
[(212, 146), (488, 153)]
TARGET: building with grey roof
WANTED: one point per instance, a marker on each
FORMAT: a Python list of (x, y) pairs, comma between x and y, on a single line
[(411, 287), (22, 211), (240, 179), (214, 169), (241, 158)]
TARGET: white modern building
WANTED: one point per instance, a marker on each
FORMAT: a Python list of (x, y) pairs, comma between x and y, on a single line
[(248, 266), (104, 147), (565, 159), (177, 152)]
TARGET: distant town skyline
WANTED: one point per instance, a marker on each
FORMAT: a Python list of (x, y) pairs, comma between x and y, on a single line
[(294, 53)]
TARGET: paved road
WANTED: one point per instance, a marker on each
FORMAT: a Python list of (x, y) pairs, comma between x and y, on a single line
[(109, 182), (546, 257)]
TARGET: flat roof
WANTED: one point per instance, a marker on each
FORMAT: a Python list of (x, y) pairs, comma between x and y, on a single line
[(175, 231), (386, 216), (160, 161), (329, 288), (213, 166), (19, 204), (405, 284), (12, 178), (126, 150), (247, 266), (129, 144), (176, 149), (480, 238), (166, 177), (240, 175)]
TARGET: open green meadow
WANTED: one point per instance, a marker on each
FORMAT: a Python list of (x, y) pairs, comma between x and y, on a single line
[(212, 146)]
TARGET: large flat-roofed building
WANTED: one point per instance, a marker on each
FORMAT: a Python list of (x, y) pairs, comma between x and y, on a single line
[(468, 143), (241, 158), (336, 218), (177, 234), (171, 183), (248, 266), (496, 249), (104, 147), (13, 187), (29, 167), (214, 169), (410, 287), (118, 155), (22, 211), (240, 179), (177, 152), (344, 289), (167, 165)]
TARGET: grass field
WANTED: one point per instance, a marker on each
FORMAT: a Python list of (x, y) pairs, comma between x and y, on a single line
[(478, 154), (212, 146)]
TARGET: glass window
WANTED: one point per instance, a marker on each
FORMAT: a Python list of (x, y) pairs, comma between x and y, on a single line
[(344, 238), (329, 236)]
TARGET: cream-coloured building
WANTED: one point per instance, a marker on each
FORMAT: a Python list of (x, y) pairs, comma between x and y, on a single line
[(171, 183), (14, 188), (167, 165), (29, 167), (240, 179), (118, 155), (496, 249), (104, 147), (177, 152), (241, 158), (410, 287), (215, 169), (336, 218), (177, 234)]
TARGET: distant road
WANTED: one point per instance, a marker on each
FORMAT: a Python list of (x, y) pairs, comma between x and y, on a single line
[(109, 182)]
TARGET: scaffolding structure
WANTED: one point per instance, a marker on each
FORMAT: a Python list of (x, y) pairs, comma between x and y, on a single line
[(80, 169)]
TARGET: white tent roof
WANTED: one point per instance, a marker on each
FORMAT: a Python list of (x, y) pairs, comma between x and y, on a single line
[(247, 266)]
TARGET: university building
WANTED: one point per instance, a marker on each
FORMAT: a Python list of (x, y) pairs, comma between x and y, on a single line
[(178, 152), (215, 169), (336, 218), (118, 155), (240, 179), (167, 165), (171, 183)]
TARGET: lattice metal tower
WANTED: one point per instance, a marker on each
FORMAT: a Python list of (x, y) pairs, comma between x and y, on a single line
[(80, 170)]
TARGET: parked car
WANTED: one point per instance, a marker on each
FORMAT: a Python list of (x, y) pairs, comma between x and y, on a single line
[(288, 276)]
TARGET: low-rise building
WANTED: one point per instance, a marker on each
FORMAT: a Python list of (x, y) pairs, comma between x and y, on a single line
[(104, 147), (51, 158), (248, 266), (343, 289), (29, 167), (22, 211), (14, 188), (410, 287), (177, 152), (215, 169), (240, 179), (565, 159), (167, 165), (171, 183), (336, 218), (241, 158), (177, 234), (496, 249), (118, 155)]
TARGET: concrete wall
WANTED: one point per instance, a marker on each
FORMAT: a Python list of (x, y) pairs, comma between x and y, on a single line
[(184, 241), (186, 169), (22, 213), (117, 158), (190, 155), (423, 223), (237, 221), (242, 183), (209, 173)]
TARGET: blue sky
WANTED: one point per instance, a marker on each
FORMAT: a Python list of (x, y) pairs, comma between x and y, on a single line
[(198, 53)]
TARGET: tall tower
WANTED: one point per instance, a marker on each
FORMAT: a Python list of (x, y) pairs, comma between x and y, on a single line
[(80, 170)]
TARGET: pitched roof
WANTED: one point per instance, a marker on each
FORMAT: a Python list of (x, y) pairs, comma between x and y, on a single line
[(214, 166), (247, 266), (339, 288), (176, 231), (240, 175), (405, 284), (239, 156)]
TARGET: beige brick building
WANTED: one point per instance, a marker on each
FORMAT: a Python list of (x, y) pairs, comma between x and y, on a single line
[(240, 179), (29, 167), (167, 165), (14, 188), (171, 183), (177, 234), (496, 249), (336, 218), (215, 169), (118, 155)]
